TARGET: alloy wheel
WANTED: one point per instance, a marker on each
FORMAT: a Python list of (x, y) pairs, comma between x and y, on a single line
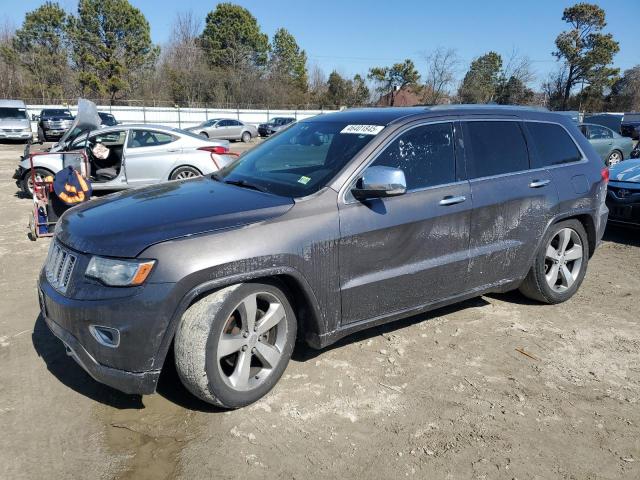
[(563, 259), (184, 174), (614, 158), (252, 341)]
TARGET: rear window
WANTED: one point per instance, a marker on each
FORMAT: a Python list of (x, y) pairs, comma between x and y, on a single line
[(553, 145), (496, 147)]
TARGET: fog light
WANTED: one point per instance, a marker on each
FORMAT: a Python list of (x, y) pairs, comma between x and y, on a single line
[(109, 337)]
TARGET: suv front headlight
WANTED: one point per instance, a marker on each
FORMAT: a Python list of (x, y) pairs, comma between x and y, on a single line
[(119, 273)]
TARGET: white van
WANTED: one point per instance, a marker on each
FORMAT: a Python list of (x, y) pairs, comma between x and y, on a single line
[(14, 121)]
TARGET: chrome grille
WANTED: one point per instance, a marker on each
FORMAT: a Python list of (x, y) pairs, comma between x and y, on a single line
[(59, 267)]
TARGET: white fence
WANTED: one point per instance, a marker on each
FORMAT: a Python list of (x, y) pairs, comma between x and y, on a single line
[(185, 117)]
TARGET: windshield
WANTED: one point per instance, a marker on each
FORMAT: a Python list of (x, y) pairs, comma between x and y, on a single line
[(57, 113), (298, 161), (20, 113)]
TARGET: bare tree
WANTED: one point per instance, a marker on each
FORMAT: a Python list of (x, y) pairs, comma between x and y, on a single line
[(442, 65), (519, 67)]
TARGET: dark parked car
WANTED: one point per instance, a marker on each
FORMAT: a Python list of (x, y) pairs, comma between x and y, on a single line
[(630, 126), (53, 123), (274, 125), (340, 222), (623, 196), (107, 119)]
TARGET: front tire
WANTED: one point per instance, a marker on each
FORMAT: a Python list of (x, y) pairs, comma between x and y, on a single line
[(26, 184), (559, 265), (204, 134), (233, 346)]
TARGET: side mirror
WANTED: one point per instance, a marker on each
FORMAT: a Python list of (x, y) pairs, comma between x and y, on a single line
[(379, 182)]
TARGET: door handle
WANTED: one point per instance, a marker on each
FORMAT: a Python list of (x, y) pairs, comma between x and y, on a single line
[(451, 200), (539, 183), (174, 150)]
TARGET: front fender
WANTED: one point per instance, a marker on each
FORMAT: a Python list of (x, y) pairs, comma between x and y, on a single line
[(205, 288), (49, 161)]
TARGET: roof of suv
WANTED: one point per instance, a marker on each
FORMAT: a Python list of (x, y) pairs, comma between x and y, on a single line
[(388, 115)]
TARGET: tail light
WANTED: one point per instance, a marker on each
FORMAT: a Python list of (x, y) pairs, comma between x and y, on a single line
[(605, 174), (215, 150)]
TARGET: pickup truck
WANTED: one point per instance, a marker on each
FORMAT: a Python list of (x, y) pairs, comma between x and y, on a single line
[(630, 126)]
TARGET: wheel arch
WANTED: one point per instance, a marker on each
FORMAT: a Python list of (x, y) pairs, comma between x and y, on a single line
[(299, 293), (183, 165)]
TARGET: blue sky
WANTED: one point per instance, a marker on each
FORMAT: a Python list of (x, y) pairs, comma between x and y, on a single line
[(351, 36)]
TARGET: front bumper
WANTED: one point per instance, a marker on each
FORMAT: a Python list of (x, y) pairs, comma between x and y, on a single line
[(18, 174), (15, 135), (142, 318), (142, 383)]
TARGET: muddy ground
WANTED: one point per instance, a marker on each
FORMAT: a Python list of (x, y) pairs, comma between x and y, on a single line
[(496, 387)]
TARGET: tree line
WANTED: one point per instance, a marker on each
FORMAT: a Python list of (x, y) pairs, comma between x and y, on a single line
[(104, 51)]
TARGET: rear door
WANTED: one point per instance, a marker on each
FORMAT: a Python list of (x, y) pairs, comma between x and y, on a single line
[(400, 253), (512, 203), (149, 156), (601, 138), (235, 129)]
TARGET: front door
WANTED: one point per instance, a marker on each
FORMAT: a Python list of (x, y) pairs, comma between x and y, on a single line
[(149, 156), (400, 253)]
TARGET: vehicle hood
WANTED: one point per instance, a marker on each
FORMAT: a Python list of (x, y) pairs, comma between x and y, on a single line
[(86, 120), (627, 171), (126, 223), (14, 123)]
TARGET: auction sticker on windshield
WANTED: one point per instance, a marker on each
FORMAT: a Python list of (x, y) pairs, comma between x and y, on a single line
[(362, 129)]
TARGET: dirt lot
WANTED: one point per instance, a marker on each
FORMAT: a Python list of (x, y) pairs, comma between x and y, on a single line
[(496, 387)]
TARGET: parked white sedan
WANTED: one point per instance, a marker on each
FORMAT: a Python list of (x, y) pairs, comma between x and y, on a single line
[(137, 155)]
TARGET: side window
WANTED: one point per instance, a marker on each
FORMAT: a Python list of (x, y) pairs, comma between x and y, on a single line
[(111, 138), (224, 123), (426, 154), (553, 145), (496, 147), (598, 133), (147, 138)]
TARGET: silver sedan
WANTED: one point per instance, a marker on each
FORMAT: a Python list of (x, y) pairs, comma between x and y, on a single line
[(137, 155), (225, 129)]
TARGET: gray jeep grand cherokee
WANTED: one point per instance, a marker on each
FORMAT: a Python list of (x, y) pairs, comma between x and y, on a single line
[(340, 222)]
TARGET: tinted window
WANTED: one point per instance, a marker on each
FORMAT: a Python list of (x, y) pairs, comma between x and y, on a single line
[(8, 112), (553, 145), (147, 138), (224, 123), (299, 161), (56, 113), (496, 148), (426, 154), (235, 123)]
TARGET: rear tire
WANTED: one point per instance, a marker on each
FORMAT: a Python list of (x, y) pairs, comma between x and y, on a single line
[(246, 137), (222, 355), (185, 172), (559, 265), (614, 158)]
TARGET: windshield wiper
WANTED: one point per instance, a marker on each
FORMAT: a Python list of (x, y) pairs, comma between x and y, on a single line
[(245, 184)]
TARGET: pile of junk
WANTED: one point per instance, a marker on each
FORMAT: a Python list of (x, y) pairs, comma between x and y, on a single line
[(53, 195)]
